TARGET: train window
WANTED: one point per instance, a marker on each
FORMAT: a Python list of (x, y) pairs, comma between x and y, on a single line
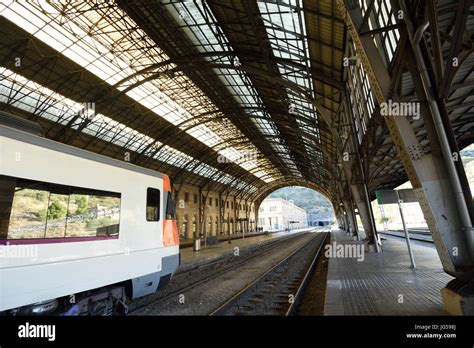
[(170, 208), (35, 209), (24, 212), (92, 213), (57, 211), (152, 204)]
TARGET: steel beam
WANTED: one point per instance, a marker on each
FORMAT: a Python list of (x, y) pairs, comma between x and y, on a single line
[(427, 173)]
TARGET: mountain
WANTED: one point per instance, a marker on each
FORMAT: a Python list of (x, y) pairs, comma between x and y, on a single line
[(467, 156), (305, 198)]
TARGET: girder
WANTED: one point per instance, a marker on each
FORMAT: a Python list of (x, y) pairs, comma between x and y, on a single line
[(225, 75)]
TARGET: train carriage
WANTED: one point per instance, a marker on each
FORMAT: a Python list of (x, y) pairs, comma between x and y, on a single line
[(80, 233)]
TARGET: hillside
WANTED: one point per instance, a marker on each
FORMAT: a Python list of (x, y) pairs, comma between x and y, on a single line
[(304, 198), (467, 156)]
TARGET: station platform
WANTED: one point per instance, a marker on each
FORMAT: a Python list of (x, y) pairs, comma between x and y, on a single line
[(191, 258), (188, 242), (384, 283)]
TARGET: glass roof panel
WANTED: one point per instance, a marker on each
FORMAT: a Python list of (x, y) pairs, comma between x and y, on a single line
[(17, 91), (96, 38)]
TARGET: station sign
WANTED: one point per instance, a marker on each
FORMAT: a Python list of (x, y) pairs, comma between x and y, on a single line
[(391, 197)]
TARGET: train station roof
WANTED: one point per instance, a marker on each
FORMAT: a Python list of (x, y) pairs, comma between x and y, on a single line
[(225, 95)]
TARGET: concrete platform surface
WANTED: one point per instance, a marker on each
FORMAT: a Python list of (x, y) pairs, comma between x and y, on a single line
[(385, 283)]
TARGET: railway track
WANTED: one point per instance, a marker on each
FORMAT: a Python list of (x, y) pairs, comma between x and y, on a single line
[(422, 237), (194, 277), (279, 290)]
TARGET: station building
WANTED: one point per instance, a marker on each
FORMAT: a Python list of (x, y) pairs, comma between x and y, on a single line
[(277, 214)]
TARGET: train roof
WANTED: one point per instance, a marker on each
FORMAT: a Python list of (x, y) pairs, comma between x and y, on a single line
[(31, 137), (20, 124)]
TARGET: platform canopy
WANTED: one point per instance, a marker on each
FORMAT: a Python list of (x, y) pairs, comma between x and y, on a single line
[(232, 95)]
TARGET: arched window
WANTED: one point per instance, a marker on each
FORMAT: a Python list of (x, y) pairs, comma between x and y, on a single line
[(184, 226)]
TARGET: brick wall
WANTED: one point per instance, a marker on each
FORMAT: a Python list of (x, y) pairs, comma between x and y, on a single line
[(234, 217)]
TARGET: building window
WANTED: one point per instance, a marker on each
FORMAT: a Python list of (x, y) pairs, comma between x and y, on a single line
[(261, 210), (217, 202), (152, 204), (184, 227), (273, 208), (227, 204), (36, 209), (186, 196), (195, 199)]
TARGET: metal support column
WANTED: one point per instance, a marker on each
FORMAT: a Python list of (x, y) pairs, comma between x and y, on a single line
[(427, 173)]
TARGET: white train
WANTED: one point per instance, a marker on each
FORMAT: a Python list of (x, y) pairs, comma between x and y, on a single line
[(80, 233)]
